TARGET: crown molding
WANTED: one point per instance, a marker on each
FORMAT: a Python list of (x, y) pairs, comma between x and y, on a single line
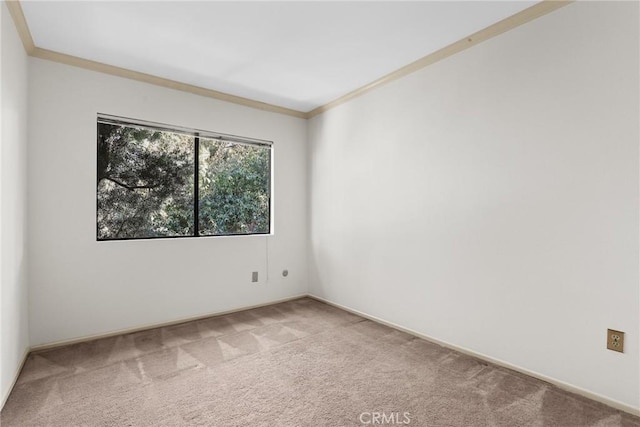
[(15, 10), (159, 81), (509, 23)]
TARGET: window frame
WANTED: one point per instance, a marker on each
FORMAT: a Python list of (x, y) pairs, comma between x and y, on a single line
[(196, 134)]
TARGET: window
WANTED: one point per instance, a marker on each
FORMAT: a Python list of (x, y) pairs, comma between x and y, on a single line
[(154, 181)]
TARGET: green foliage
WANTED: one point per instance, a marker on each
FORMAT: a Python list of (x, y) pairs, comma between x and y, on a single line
[(234, 188), (145, 185)]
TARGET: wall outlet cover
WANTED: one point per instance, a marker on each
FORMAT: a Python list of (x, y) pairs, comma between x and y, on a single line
[(615, 340)]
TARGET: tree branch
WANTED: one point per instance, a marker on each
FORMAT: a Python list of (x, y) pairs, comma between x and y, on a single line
[(130, 187)]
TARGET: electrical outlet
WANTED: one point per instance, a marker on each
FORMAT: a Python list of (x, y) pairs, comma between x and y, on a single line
[(615, 340), (254, 277)]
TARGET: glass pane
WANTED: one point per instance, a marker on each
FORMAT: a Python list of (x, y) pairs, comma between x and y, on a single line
[(145, 183), (234, 188)]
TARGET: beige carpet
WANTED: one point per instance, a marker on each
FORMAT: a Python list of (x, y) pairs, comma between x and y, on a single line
[(300, 363)]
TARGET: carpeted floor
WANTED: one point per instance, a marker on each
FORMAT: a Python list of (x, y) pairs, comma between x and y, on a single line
[(300, 363)]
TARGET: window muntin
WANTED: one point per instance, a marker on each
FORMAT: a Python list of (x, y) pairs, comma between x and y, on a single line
[(154, 181)]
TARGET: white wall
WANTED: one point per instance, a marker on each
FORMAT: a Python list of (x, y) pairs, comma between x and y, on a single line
[(491, 200), (81, 287), (14, 330)]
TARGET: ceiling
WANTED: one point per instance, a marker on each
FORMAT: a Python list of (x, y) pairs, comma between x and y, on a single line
[(298, 55)]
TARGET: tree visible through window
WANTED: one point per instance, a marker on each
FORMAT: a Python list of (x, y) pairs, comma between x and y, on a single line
[(154, 182)]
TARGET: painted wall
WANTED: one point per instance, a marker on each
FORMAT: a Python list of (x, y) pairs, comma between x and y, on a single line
[(14, 330), (491, 200), (81, 287)]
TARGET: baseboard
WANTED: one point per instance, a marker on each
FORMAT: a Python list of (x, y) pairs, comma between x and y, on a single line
[(27, 350), (48, 346), (560, 384)]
